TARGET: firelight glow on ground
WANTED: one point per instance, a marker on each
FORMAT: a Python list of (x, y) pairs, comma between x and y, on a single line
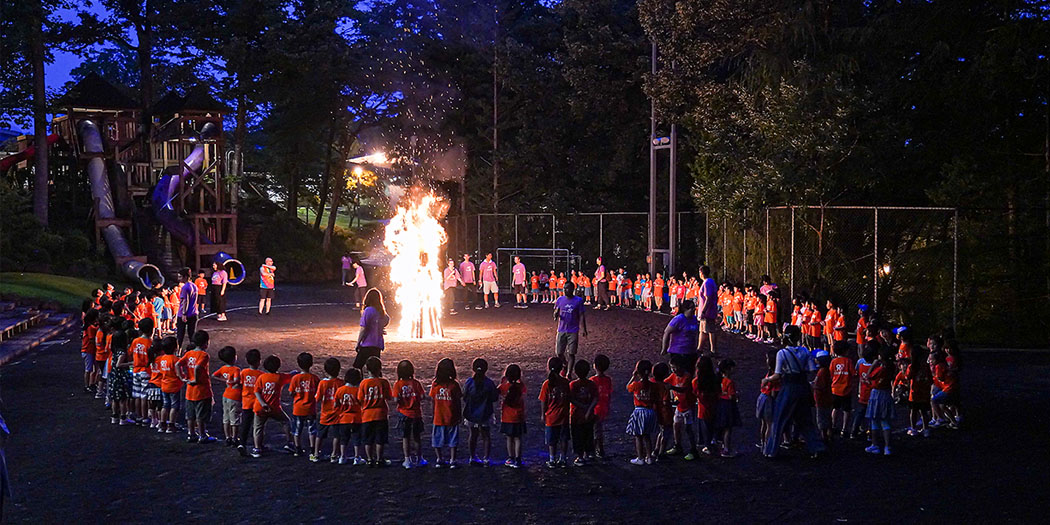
[(415, 237)]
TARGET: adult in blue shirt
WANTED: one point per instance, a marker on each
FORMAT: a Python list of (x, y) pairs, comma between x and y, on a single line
[(682, 336), (794, 403), (571, 315), (186, 322)]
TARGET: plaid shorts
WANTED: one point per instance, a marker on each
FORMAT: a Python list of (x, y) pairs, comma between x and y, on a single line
[(153, 393), (138, 385)]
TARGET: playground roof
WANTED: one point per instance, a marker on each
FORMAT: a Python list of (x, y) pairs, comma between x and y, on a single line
[(94, 91), (196, 98)]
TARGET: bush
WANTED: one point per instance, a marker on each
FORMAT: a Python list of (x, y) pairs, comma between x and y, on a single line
[(26, 246)]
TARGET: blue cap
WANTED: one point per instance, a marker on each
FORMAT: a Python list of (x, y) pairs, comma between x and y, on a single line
[(862, 307), (899, 329)]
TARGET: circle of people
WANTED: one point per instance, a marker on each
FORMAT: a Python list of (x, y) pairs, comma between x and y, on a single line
[(814, 389)]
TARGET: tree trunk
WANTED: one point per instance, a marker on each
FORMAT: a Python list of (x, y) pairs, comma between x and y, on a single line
[(293, 184), (41, 178), (323, 197), (337, 196), (145, 57)]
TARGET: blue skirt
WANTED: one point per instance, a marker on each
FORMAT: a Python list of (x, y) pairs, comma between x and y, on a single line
[(728, 414), (764, 408), (642, 422), (880, 405)]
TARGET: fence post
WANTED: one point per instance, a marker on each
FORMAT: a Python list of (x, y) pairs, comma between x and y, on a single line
[(601, 235), (792, 278), (725, 244), (955, 269), (515, 231), (743, 230), (707, 233), (479, 236), (767, 242), (554, 233), (875, 275)]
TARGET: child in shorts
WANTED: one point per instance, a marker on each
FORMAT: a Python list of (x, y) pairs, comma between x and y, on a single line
[(409, 394), (304, 405), (170, 385), (822, 399), (230, 375), (268, 407), (479, 395), (728, 415), (680, 383), (664, 410), (349, 409), (329, 418), (554, 402), (373, 394), (249, 376), (448, 413), (512, 413), (583, 396)]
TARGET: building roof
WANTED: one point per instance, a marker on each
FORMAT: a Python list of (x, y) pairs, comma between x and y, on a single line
[(94, 91), (196, 98)]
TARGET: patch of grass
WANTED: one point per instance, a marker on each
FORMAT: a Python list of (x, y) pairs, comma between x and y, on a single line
[(69, 291), (342, 221)]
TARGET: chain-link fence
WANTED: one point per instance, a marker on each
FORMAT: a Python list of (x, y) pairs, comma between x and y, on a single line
[(902, 261)]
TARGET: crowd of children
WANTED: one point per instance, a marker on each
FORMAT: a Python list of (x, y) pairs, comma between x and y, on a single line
[(688, 406)]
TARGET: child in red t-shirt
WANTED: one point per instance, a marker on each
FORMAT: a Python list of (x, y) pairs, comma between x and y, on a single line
[(728, 410), (601, 410), (680, 383), (822, 395), (512, 413), (766, 395), (664, 410), (583, 396), (409, 394), (349, 422), (554, 402), (448, 412), (919, 382), (374, 395)]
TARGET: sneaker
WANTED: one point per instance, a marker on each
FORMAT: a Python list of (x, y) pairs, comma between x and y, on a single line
[(333, 459), (206, 439), (422, 462), (359, 461), (453, 465), (509, 463), (314, 458), (673, 451), (114, 420), (124, 422), (439, 464), (343, 461), (486, 307), (160, 429), (937, 423), (242, 451), (407, 463), (290, 447), (689, 457), (578, 462), (479, 307), (912, 432), (873, 450), (926, 432), (551, 464), (497, 306), (190, 438), (886, 452), (649, 460), (256, 453)]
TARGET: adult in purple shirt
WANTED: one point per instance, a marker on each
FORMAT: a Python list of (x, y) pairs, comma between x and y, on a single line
[(219, 280), (373, 324), (571, 315), (708, 309), (469, 292), (681, 336), (186, 322)]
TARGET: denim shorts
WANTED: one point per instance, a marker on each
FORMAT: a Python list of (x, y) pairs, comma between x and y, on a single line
[(445, 436), (301, 424), (170, 400)]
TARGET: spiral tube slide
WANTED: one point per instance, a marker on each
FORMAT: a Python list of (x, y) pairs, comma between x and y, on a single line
[(235, 272), (168, 186), (146, 274)]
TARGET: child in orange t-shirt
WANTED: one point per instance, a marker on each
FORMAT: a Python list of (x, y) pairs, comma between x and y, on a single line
[(642, 422), (680, 383), (664, 410), (230, 375), (409, 394), (767, 393), (170, 385), (248, 377), (601, 410), (349, 409), (304, 404), (328, 420), (268, 387), (843, 381), (448, 412), (374, 394), (512, 413), (554, 403), (534, 281), (202, 291)]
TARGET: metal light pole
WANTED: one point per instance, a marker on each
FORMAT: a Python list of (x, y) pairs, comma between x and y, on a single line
[(655, 144)]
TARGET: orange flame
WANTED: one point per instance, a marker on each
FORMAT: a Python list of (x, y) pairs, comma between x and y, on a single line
[(415, 237)]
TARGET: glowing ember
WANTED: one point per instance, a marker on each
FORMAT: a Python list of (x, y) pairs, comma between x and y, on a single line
[(414, 237)]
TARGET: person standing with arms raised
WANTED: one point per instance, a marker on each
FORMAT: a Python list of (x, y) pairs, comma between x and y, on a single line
[(708, 310), (571, 316), (468, 272), (488, 280), (267, 286), (601, 285), (373, 320)]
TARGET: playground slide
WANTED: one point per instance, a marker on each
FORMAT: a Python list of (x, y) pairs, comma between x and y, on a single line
[(146, 274), (164, 194), (27, 153)]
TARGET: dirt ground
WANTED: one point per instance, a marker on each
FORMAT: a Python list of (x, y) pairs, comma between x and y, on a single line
[(69, 463)]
